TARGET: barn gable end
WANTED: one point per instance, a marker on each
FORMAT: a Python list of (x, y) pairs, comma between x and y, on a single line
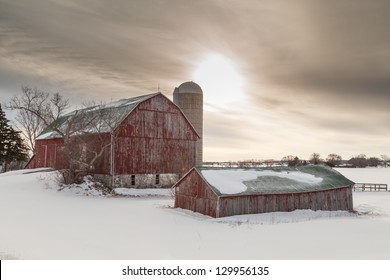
[(155, 138)]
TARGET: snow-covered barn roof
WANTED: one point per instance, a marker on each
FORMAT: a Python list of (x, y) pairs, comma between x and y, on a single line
[(101, 118), (234, 181)]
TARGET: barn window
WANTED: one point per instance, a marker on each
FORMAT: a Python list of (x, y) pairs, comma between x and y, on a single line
[(132, 180), (157, 179)]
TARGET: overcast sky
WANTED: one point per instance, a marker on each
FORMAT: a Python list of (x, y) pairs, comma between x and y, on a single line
[(279, 77)]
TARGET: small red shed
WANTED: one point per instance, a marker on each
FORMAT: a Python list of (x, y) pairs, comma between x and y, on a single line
[(148, 142), (230, 191)]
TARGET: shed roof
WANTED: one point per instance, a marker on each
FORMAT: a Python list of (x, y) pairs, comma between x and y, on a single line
[(234, 181), (108, 116)]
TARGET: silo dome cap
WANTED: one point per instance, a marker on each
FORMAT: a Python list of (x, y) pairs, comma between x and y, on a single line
[(190, 87)]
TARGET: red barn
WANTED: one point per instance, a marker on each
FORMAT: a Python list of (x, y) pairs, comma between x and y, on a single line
[(227, 192), (139, 142)]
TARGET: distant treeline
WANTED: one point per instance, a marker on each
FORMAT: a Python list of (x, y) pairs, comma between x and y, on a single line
[(332, 160)]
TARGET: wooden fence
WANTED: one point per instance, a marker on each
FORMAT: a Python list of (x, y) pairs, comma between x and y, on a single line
[(370, 186)]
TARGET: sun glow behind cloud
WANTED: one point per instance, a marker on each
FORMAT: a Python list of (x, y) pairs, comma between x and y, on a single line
[(221, 83)]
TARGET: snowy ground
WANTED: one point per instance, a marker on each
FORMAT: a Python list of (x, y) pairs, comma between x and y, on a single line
[(39, 222)]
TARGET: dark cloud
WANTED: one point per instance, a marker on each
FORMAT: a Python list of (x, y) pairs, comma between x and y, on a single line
[(341, 49), (310, 66)]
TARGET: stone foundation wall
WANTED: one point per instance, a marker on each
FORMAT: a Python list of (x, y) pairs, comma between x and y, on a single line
[(140, 181)]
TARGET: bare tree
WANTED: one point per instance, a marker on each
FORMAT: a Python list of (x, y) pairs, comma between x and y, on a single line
[(94, 137), (36, 109), (269, 162), (290, 160), (385, 159), (315, 158), (333, 160), (373, 161), (359, 161), (85, 133)]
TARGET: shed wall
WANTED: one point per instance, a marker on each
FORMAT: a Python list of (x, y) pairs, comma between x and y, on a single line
[(331, 200), (193, 193)]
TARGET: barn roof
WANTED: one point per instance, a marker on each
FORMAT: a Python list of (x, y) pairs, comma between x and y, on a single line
[(234, 181), (96, 119)]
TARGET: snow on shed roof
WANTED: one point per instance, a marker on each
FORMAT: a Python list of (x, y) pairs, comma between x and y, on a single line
[(229, 181), (108, 116)]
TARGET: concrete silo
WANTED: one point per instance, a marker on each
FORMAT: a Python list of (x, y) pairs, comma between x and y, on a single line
[(189, 97)]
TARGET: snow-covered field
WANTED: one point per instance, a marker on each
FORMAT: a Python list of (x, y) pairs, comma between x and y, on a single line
[(39, 222)]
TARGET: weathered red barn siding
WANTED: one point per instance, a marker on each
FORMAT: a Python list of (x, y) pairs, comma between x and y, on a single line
[(193, 193), (48, 153), (52, 153), (155, 138), (331, 200), (97, 142)]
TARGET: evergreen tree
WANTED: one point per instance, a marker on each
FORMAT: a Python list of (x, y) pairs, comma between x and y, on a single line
[(4, 133), (12, 147)]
